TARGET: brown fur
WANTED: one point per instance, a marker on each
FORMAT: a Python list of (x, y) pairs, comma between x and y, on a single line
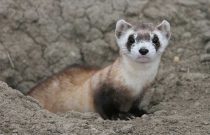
[(52, 92), (74, 88), (143, 31)]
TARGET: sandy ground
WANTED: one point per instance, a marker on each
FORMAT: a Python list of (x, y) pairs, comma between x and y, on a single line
[(30, 51), (184, 109)]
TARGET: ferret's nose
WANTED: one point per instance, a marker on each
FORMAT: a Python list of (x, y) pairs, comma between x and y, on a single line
[(143, 51)]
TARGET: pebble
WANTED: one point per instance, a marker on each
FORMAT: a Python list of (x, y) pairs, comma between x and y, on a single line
[(176, 59), (205, 123), (145, 117), (205, 58), (127, 128)]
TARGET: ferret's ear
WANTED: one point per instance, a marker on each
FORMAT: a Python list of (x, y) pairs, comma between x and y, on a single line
[(164, 27), (121, 27)]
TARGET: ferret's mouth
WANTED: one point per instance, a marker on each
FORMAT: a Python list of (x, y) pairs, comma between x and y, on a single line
[(143, 59)]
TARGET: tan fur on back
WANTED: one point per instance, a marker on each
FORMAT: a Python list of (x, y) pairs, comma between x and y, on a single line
[(54, 92), (73, 88)]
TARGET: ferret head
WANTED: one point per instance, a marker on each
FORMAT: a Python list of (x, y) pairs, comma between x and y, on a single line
[(142, 43)]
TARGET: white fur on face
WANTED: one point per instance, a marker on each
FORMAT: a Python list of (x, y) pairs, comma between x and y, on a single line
[(124, 30), (134, 54), (134, 51)]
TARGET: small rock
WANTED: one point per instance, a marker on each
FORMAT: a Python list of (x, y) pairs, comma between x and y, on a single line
[(205, 123), (176, 59), (127, 128), (145, 117), (205, 58)]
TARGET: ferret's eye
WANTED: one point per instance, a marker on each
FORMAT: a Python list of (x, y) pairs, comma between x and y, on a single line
[(131, 39), (156, 41)]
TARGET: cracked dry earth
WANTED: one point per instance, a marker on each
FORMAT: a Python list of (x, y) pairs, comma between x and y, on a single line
[(39, 38)]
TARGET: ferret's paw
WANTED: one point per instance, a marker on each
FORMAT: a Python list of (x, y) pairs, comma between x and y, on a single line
[(123, 116)]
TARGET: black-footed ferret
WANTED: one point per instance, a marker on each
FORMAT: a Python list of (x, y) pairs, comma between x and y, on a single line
[(116, 90)]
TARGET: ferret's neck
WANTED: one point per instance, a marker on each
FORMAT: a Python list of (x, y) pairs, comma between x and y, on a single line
[(138, 75)]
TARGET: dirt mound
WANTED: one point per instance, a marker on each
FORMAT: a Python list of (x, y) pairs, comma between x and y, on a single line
[(39, 38), (184, 110)]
